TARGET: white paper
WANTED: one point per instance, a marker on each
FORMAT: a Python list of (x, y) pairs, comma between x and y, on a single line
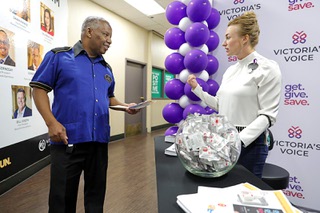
[(141, 105), (170, 138), (118, 107), (137, 106), (238, 198), (171, 150)]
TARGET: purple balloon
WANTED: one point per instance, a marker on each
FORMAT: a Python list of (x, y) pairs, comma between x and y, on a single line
[(174, 38), (213, 87), (195, 60), (210, 110), (175, 11), (172, 113), (193, 108), (174, 89), (190, 94), (198, 10), (213, 41), (174, 63), (171, 130), (214, 18), (197, 34), (213, 65)]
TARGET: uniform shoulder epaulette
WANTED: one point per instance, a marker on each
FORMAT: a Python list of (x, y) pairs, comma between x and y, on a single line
[(61, 49), (108, 65)]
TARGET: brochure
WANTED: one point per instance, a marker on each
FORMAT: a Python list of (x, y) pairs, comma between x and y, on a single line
[(137, 106), (241, 198), (141, 105)]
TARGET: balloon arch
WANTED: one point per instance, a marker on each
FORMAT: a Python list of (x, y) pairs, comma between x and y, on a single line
[(194, 40)]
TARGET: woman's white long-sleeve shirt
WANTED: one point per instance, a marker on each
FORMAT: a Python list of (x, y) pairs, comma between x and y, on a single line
[(248, 97)]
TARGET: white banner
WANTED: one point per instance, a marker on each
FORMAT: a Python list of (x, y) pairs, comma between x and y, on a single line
[(28, 29), (289, 35)]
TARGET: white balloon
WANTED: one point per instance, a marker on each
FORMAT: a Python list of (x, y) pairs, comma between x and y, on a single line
[(186, 2), (184, 23), (202, 75), (205, 23), (184, 101), (184, 49), (183, 76), (204, 48)]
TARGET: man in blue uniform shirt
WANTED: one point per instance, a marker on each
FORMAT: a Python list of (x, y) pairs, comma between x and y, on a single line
[(78, 125)]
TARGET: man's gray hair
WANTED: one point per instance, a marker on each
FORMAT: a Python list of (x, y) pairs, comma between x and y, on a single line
[(92, 22)]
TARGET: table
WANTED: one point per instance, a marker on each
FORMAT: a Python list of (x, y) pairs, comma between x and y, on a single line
[(173, 179)]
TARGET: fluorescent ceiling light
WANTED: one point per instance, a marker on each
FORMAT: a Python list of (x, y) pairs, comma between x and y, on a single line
[(148, 7)]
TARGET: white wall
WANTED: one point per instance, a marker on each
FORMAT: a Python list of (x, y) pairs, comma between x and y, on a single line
[(159, 54)]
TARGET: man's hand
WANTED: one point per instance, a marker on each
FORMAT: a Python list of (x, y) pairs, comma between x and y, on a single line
[(57, 133), (132, 111)]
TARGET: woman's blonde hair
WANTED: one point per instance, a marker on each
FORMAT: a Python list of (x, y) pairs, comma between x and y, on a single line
[(248, 26)]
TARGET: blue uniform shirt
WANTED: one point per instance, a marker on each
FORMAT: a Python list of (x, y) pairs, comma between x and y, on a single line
[(82, 88)]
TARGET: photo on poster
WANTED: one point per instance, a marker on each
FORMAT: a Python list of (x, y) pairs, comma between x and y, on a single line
[(7, 50), (21, 8), (46, 19), (21, 101), (35, 55)]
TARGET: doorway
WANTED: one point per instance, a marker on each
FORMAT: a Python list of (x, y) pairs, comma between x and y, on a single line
[(135, 92)]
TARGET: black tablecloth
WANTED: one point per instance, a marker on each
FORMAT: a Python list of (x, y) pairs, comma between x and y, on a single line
[(173, 179)]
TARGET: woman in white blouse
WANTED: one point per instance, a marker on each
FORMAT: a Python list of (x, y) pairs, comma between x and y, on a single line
[(249, 93)]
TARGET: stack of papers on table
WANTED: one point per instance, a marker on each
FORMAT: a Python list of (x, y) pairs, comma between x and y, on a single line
[(170, 138), (241, 198), (171, 150)]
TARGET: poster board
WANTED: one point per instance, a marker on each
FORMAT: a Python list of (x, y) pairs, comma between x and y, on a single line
[(24, 138), (287, 37)]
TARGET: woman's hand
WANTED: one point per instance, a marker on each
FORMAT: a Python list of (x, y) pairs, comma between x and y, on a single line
[(192, 81)]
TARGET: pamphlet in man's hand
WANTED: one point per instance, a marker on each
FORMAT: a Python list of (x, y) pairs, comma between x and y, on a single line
[(141, 105), (137, 106)]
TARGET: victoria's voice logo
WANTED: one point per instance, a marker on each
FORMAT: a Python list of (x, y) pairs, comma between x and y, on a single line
[(239, 9), (295, 95), (232, 58), (295, 145), (238, 1), (299, 5), (299, 37), (294, 132), (300, 52)]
